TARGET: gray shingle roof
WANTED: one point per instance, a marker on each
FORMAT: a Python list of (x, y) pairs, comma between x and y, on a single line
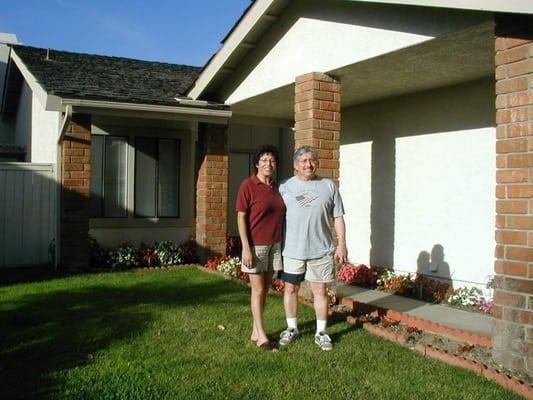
[(87, 76)]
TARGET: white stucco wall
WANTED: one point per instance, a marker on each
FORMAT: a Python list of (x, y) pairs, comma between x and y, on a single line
[(45, 132), (418, 172), (22, 128), (313, 36)]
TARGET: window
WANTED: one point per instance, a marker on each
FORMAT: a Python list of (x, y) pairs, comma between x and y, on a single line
[(154, 177), (157, 177), (109, 161)]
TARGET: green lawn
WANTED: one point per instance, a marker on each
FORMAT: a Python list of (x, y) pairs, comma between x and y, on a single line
[(156, 335)]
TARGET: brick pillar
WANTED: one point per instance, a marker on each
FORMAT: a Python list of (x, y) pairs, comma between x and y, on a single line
[(513, 324), (75, 193), (317, 116), (212, 190)]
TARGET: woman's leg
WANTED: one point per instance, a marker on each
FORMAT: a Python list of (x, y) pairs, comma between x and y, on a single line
[(257, 302)]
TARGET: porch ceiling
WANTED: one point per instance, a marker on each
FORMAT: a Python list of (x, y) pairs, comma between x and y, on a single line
[(447, 60)]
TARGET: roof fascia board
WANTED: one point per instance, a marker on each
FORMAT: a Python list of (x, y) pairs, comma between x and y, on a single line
[(238, 35), (49, 102), (146, 110), (510, 6)]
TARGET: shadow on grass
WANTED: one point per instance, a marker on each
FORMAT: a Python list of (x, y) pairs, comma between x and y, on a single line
[(60, 329)]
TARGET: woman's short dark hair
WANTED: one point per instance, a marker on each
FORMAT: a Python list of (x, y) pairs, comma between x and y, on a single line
[(264, 149)]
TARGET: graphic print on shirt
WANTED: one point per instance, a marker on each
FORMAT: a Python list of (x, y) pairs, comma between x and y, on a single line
[(305, 199)]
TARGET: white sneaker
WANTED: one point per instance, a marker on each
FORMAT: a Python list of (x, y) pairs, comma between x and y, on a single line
[(287, 336), (323, 341)]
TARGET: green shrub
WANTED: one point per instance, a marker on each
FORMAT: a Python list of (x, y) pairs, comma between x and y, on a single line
[(169, 253), (125, 257)]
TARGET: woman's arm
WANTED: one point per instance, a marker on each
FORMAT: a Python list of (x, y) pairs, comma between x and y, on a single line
[(242, 224)]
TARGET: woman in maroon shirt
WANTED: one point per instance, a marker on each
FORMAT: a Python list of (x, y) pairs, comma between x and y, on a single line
[(260, 213)]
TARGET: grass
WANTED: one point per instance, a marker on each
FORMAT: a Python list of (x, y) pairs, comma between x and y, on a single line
[(157, 334)]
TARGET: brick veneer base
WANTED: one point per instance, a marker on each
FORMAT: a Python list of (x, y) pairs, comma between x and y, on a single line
[(317, 116), (212, 191), (513, 312), (75, 193)]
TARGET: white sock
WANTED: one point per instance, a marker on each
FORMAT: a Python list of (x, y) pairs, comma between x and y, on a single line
[(321, 325), (293, 323)]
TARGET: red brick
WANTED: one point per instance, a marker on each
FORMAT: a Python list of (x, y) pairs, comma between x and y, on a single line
[(308, 124), (509, 299), (516, 130), (518, 114), (520, 68), (512, 206), (503, 116), (511, 85), (315, 76), (509, 56), (519, 160), (501, 72), (331, 125), (511, 146), (73, 167), (511, 237), (519, 222), (500, 191), (513, 42), (519, 99), (512, 176), (519, 253), (306, 86), (330, 86), (501, 221), (499, 251), (329, 106), (501, 161), (501, 103), (520, 191)]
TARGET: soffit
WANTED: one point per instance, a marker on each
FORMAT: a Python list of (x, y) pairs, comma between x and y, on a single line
[(447, 60)]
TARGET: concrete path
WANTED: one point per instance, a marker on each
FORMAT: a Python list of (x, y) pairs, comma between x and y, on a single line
[(453, 318)]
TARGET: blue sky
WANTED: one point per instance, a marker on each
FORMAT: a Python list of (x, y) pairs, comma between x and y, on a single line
[(175, 31)]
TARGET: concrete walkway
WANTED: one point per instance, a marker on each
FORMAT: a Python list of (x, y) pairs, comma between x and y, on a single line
[(453, 318)]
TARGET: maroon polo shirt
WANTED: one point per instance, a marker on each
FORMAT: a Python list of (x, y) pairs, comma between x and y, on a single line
[(264, 208)]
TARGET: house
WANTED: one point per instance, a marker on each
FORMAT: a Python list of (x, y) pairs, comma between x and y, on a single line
[(422, 111)]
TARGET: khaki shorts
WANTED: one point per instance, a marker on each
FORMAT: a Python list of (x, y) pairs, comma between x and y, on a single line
[(265, 259), (319, 270)]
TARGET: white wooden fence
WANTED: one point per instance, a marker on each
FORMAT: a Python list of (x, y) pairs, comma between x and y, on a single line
[(27, 213)]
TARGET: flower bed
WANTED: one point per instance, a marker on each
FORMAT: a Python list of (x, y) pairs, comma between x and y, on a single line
[(419, 287), (166, 253)]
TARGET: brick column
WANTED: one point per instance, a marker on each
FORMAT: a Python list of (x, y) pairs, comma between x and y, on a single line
[(513, 324), (75, 193), (317, 116), (212, 190)]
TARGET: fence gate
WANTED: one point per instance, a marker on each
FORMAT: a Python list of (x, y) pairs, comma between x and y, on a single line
[(28, 195)]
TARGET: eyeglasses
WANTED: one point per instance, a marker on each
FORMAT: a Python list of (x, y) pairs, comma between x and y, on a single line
[(270, 161)]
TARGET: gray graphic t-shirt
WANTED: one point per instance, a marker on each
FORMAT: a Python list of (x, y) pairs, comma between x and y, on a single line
[(310, 204)]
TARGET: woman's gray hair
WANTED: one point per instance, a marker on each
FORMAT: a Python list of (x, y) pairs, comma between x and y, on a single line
[(304, 150)]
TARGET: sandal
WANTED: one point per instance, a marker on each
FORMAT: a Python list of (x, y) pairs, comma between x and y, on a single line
[(267, 346)]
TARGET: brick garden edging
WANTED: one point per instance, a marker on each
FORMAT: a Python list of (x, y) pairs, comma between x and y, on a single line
[(512, 384), (420, 323)]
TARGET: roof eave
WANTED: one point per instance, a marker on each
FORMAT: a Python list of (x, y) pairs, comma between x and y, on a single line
[(238, 34)]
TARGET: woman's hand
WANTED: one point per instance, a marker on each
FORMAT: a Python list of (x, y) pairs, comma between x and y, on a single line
[(247, 258)]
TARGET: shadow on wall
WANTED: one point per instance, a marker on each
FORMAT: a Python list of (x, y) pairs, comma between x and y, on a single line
[(434, 264), (450, 109)]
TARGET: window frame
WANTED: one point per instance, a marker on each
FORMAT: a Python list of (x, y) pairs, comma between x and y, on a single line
[(157, 139), (156, 134)]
